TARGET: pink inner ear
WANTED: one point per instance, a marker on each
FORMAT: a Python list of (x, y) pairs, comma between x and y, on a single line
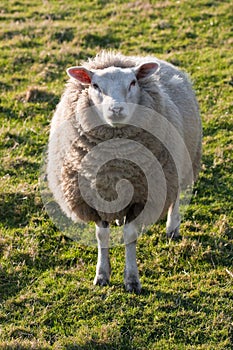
[(147, 69), (80, 74)]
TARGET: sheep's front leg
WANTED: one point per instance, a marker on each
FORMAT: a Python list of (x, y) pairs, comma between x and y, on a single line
[(131, 278), (103, 268), (173, 220)]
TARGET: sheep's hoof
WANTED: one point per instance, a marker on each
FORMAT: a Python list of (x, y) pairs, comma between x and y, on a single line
[(133, 285), (175, 234), (101, 280)]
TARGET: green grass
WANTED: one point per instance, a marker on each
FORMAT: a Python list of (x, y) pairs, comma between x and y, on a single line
[(46, 292)]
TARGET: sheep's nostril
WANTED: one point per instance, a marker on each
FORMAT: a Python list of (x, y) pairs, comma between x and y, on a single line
[(116, 110)]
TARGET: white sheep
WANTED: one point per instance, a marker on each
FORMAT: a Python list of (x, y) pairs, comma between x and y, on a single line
[(129, 118)]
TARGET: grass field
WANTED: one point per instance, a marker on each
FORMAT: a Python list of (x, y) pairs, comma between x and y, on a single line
[(46, 292)]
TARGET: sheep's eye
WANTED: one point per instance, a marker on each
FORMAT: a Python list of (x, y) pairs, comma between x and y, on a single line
[(96, 87), (133, 83)]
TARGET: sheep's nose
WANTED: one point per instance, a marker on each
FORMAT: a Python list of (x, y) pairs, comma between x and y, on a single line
[(116, 109)]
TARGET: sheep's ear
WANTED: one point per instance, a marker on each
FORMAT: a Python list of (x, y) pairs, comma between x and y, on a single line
[(146, 69), (81, 74)]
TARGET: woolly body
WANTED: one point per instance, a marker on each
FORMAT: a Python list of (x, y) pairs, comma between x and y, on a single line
[(168, 92)]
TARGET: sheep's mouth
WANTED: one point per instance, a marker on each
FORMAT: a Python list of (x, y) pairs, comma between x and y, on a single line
[(117, 120), (118, 124)]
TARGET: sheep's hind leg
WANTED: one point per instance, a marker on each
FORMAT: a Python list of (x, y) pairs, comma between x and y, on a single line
[(173, 221), (103, 268), (131, 277)]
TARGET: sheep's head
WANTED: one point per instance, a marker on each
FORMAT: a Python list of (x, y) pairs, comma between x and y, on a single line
[(114, 91)]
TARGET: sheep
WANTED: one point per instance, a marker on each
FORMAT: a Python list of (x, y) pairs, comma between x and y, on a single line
[(124, 141)]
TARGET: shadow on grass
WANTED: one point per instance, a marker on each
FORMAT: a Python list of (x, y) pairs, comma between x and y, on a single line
[(212, 181), (8, 112), (87, 346), (18, 346), (7, 283), (93, 346), (103, 41), (16, 209), (22, 166)]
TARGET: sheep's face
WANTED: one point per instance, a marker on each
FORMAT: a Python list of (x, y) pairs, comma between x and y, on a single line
[(114, 91)]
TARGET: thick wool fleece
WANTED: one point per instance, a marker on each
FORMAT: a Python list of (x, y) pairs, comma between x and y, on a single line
[(72, 137)]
